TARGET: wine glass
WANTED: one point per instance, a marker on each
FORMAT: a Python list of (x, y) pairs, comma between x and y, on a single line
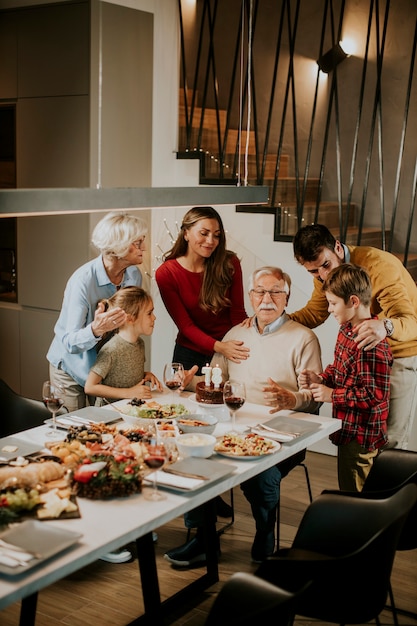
[(53, 396), (174, 375), (234, 396), (154, 457)]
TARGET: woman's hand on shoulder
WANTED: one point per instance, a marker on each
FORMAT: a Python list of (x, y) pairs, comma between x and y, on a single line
[(232, 350)]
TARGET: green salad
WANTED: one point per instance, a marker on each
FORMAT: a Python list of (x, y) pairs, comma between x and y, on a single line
[(163, 411)]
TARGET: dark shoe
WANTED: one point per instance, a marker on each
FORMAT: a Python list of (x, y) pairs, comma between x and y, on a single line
[(263, 546), (222, 508), (188, 554)]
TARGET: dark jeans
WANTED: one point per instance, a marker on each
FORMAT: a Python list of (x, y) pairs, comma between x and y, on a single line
[(262, 492), (190, 357)]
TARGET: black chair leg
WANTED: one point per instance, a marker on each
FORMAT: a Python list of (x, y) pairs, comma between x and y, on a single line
[(232, 519), (225, 526), (310, 495)]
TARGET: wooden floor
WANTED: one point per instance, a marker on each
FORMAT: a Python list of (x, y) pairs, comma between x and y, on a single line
[(106, 595)]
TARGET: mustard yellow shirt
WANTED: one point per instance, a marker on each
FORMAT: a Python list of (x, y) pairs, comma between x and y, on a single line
[(394, 295)]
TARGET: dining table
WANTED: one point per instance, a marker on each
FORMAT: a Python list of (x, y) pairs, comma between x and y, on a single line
[(108, 524)]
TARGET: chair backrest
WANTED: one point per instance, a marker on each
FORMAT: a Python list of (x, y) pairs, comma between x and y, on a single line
[(245, 600), (392, 469), (346, 546), (19, 413)]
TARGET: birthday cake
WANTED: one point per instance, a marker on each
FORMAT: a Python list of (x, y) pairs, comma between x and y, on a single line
[(208, 394)]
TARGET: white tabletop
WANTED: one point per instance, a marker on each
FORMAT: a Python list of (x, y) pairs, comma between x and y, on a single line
[(109, 524)]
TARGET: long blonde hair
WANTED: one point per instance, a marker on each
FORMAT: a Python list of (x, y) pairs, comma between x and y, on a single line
[(218, 267)]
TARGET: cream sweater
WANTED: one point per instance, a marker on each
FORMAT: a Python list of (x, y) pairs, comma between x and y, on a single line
[(280, 355)]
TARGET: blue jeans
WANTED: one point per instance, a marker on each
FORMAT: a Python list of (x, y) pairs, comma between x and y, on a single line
[(262, 493)]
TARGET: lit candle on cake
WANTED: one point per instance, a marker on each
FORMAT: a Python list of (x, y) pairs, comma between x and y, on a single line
[(207, 374), (216, 376)]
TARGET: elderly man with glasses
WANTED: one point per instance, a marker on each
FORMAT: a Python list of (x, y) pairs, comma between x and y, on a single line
[(280, 350)]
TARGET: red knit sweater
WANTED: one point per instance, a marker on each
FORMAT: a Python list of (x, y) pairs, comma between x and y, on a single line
[(197, 329)]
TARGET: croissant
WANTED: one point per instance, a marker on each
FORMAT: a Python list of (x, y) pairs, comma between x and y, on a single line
[(30, 475)]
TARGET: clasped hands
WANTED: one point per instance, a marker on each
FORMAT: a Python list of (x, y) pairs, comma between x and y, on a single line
[(314, 382)]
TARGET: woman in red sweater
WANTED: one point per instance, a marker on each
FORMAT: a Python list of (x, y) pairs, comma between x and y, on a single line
[(201, 285)]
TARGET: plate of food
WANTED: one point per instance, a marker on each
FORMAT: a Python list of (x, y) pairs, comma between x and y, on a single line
[(245, 447), (150, 410)]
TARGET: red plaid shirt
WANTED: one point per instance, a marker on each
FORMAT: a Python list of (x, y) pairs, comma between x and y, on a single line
[(360, 380)]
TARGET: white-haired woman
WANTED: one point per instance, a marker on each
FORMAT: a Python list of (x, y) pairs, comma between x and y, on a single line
[(120, 238)]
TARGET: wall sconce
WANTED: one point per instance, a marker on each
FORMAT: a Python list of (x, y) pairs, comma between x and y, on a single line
[(328, 61)]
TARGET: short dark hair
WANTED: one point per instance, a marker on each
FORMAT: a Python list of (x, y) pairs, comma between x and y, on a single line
[(310, 240)]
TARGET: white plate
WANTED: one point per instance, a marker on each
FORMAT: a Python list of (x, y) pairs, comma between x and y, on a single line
[(276, 446), (206, 405), (35, 536)]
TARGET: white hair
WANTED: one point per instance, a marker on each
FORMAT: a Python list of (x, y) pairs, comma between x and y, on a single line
[(269, 270), (116, 232)]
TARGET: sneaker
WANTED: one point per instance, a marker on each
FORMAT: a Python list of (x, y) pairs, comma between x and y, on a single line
[(118, 556), (263, 546), (222, 508)]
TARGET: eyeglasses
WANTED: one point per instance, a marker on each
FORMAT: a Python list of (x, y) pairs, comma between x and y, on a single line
[(138, 244), (274, 293)]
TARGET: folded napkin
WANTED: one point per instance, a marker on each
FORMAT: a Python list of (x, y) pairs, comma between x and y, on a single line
[(276, 436), (173, 480)]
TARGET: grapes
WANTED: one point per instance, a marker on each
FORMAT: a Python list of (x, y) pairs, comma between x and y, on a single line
[(136, 402), (20, 499)]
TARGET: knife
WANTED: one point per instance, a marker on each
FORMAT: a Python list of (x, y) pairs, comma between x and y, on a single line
[(171, 470)]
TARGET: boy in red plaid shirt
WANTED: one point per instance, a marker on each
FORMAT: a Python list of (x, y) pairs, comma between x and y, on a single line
[(357, 383)]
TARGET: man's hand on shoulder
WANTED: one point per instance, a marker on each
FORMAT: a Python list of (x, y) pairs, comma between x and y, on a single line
[(369, 333)]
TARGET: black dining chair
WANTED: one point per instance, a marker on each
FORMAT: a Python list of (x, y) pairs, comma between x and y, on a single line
[(19, 413), (346, 547), (392, 469), (245, 600)]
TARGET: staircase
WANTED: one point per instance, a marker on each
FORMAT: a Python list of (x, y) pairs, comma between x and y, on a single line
[(205, 140)]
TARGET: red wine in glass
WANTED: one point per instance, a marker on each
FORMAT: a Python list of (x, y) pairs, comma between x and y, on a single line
[(154, 462), (53, 398), (234, 395), (234, 403), (173, 376), (154, 458), (53, 404), (173, 384)]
